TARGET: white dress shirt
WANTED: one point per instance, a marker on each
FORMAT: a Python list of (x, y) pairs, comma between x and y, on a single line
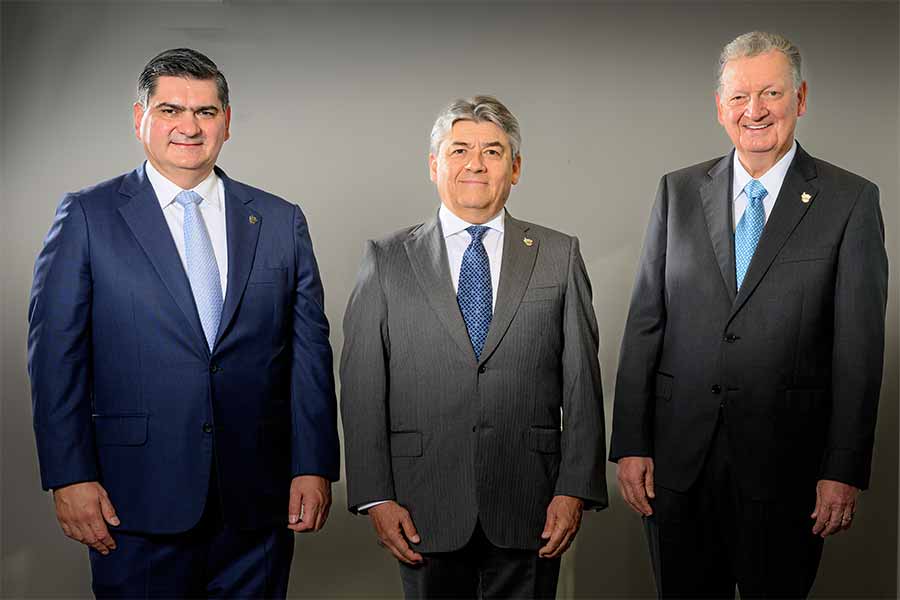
[(212, 209), (771, 180), (456, 240)]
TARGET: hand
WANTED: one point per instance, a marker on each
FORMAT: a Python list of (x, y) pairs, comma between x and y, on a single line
[(563, 521), (835, 506), (394, 527), (309, 503), (635, 475), (83, 510)]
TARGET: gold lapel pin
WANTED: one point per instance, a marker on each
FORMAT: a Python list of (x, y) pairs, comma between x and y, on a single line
[(528, 242), (253, 220), (805, 198)]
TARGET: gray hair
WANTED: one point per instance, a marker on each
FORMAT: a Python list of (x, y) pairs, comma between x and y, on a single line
[(478, 109), (180, 62), (754, 43)]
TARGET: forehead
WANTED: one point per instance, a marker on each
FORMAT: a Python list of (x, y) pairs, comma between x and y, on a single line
[(185, 91), (762, 69), (482, 132)]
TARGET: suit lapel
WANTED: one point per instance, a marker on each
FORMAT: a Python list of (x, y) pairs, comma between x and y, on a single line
[(515, 273), (427, 254), (144, 217), (786, 214), (715, 196), (242, 227)]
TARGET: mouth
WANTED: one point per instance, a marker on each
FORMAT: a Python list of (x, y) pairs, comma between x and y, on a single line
[(757, 127), (187, 145), (473, 182)]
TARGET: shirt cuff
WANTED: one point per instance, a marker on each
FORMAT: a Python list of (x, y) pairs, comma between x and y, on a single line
[(364, 507)]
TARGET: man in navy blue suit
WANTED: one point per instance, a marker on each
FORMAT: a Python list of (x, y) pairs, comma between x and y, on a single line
[(181, 373)]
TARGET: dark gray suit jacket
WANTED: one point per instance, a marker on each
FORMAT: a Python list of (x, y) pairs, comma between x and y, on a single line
[(456, 440), (794, 359)]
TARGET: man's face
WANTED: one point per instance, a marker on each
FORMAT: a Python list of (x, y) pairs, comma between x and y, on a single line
[(758, 107), (474, 170), (182, 127)]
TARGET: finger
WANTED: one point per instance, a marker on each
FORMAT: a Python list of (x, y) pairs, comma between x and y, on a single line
[(295, 505), (628, 496), (568, 537), (66, 529), (648, 484), (409, 529), (321, 518), (396, 543), (821, 515), (108, 511), (640, 499), (101, 533), (548, 525), (310, 514), (556, 538), (846, 520), (834, 522), (818, 507)]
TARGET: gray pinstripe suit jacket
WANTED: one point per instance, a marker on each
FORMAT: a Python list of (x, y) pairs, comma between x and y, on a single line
[(456, 440)]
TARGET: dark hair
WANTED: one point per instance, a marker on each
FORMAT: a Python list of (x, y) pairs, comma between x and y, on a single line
[(180, 62)]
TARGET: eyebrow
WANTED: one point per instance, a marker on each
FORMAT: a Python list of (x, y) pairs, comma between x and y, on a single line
[(180, 107), (495, 144)]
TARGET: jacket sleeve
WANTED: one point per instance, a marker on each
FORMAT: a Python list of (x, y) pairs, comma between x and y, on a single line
[(364, 388), (59, 351), (315, 449), (642, 342), (858, 354), (582, 471)]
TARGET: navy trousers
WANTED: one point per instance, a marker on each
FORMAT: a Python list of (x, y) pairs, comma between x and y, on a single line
[(212, 560)]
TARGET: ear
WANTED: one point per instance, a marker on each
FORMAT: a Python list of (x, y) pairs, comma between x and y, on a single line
[(719, 114), (228, 122), (801, 100), (432, 167), (516, 169), (138, 110)]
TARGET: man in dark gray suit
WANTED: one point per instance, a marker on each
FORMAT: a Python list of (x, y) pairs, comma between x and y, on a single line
[(470, 387), (751, 363)]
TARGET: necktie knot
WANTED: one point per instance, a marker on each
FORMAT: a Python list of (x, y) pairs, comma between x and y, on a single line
[(186, 197), (477, 232), (755, 190)]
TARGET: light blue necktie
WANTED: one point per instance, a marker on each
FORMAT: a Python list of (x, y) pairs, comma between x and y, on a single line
[(202, 270), (749, 229), (474, 290)]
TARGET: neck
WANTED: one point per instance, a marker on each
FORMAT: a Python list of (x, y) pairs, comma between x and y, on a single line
[(758, 164), (184, 178), (474, 216)]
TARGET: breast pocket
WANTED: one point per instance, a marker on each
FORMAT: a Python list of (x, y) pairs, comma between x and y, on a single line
[(541, 294), (798, 255)]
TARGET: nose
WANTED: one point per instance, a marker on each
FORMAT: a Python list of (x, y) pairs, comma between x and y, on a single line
[(475, 164), (756, 107), (188, 124)]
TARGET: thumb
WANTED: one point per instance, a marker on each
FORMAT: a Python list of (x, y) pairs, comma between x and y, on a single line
[(648, 483), (818, 507), (409, 530), (548, 526), (108, 510), (294, 506)]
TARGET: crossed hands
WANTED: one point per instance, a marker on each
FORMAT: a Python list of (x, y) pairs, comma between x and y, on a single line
[(84, 510), (835, 501), (395, 529)]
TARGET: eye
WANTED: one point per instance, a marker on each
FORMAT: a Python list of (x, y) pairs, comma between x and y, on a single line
[(492, 152), (167, 111), (457, 151), (207, 113)]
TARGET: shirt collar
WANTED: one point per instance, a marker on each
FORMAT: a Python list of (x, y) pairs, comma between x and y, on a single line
[(451, 224), (166, 190), (771, 179)]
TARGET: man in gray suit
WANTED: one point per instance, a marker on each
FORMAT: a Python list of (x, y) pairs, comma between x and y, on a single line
[(470, 387), (751, 363)]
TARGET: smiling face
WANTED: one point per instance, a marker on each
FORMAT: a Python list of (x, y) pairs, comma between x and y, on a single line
[(758, 106), (183, 128), (474, 170)]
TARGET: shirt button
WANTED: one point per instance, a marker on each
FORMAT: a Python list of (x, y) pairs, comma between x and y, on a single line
[(207, 428), (716, 389)]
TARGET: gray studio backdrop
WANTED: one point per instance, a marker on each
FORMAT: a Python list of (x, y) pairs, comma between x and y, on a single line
[(333, 103)]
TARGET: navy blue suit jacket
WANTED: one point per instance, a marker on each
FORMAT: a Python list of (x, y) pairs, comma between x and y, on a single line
[(125, 390)]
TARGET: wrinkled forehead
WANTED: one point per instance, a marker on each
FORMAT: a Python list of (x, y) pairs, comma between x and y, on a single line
[(760, 70), (471, 132)]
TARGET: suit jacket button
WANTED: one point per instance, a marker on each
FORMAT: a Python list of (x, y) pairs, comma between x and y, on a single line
[(482, 369), (207, 428), (731, 338), (214, 368), (716, 389)]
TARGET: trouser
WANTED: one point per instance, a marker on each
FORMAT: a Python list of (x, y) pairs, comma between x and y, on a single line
[(705, 541), (212, 560), (481, 570)]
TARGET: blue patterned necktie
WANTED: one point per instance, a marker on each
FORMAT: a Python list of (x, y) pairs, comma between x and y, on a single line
[(474, 290), (749, 229), (202, 270)]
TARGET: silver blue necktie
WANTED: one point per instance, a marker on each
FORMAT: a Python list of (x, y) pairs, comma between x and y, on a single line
[(749, 229), (202, 269)]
